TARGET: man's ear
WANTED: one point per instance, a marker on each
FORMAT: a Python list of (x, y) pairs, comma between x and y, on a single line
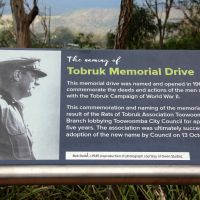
[(17, 75)]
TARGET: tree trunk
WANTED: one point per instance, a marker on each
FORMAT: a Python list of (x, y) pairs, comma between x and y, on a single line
[(22, 21), (161, 37), (125, 17), (153, 6)]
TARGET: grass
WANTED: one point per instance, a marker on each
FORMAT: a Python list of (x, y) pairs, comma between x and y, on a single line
[(101, 192)]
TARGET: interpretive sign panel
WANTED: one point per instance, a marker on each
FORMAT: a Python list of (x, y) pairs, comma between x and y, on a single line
[(99, 107), (130, 107)]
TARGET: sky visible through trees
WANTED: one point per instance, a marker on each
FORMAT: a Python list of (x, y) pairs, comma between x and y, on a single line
[(59, 7)]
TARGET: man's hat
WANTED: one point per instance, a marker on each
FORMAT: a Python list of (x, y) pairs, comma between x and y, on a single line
[(28, 64)]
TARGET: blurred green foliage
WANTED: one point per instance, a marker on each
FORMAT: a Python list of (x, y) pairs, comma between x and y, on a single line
[(101, 192)]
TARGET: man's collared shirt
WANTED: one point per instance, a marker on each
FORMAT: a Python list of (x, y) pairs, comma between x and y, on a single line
[(15, 138)]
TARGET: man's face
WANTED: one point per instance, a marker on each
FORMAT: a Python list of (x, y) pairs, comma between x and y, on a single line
[(28, 82)]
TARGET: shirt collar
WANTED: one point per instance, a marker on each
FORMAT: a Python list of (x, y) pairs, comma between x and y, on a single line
[(6, 96)]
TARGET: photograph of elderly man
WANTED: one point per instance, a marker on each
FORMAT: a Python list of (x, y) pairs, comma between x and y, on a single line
[(18, 77)]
